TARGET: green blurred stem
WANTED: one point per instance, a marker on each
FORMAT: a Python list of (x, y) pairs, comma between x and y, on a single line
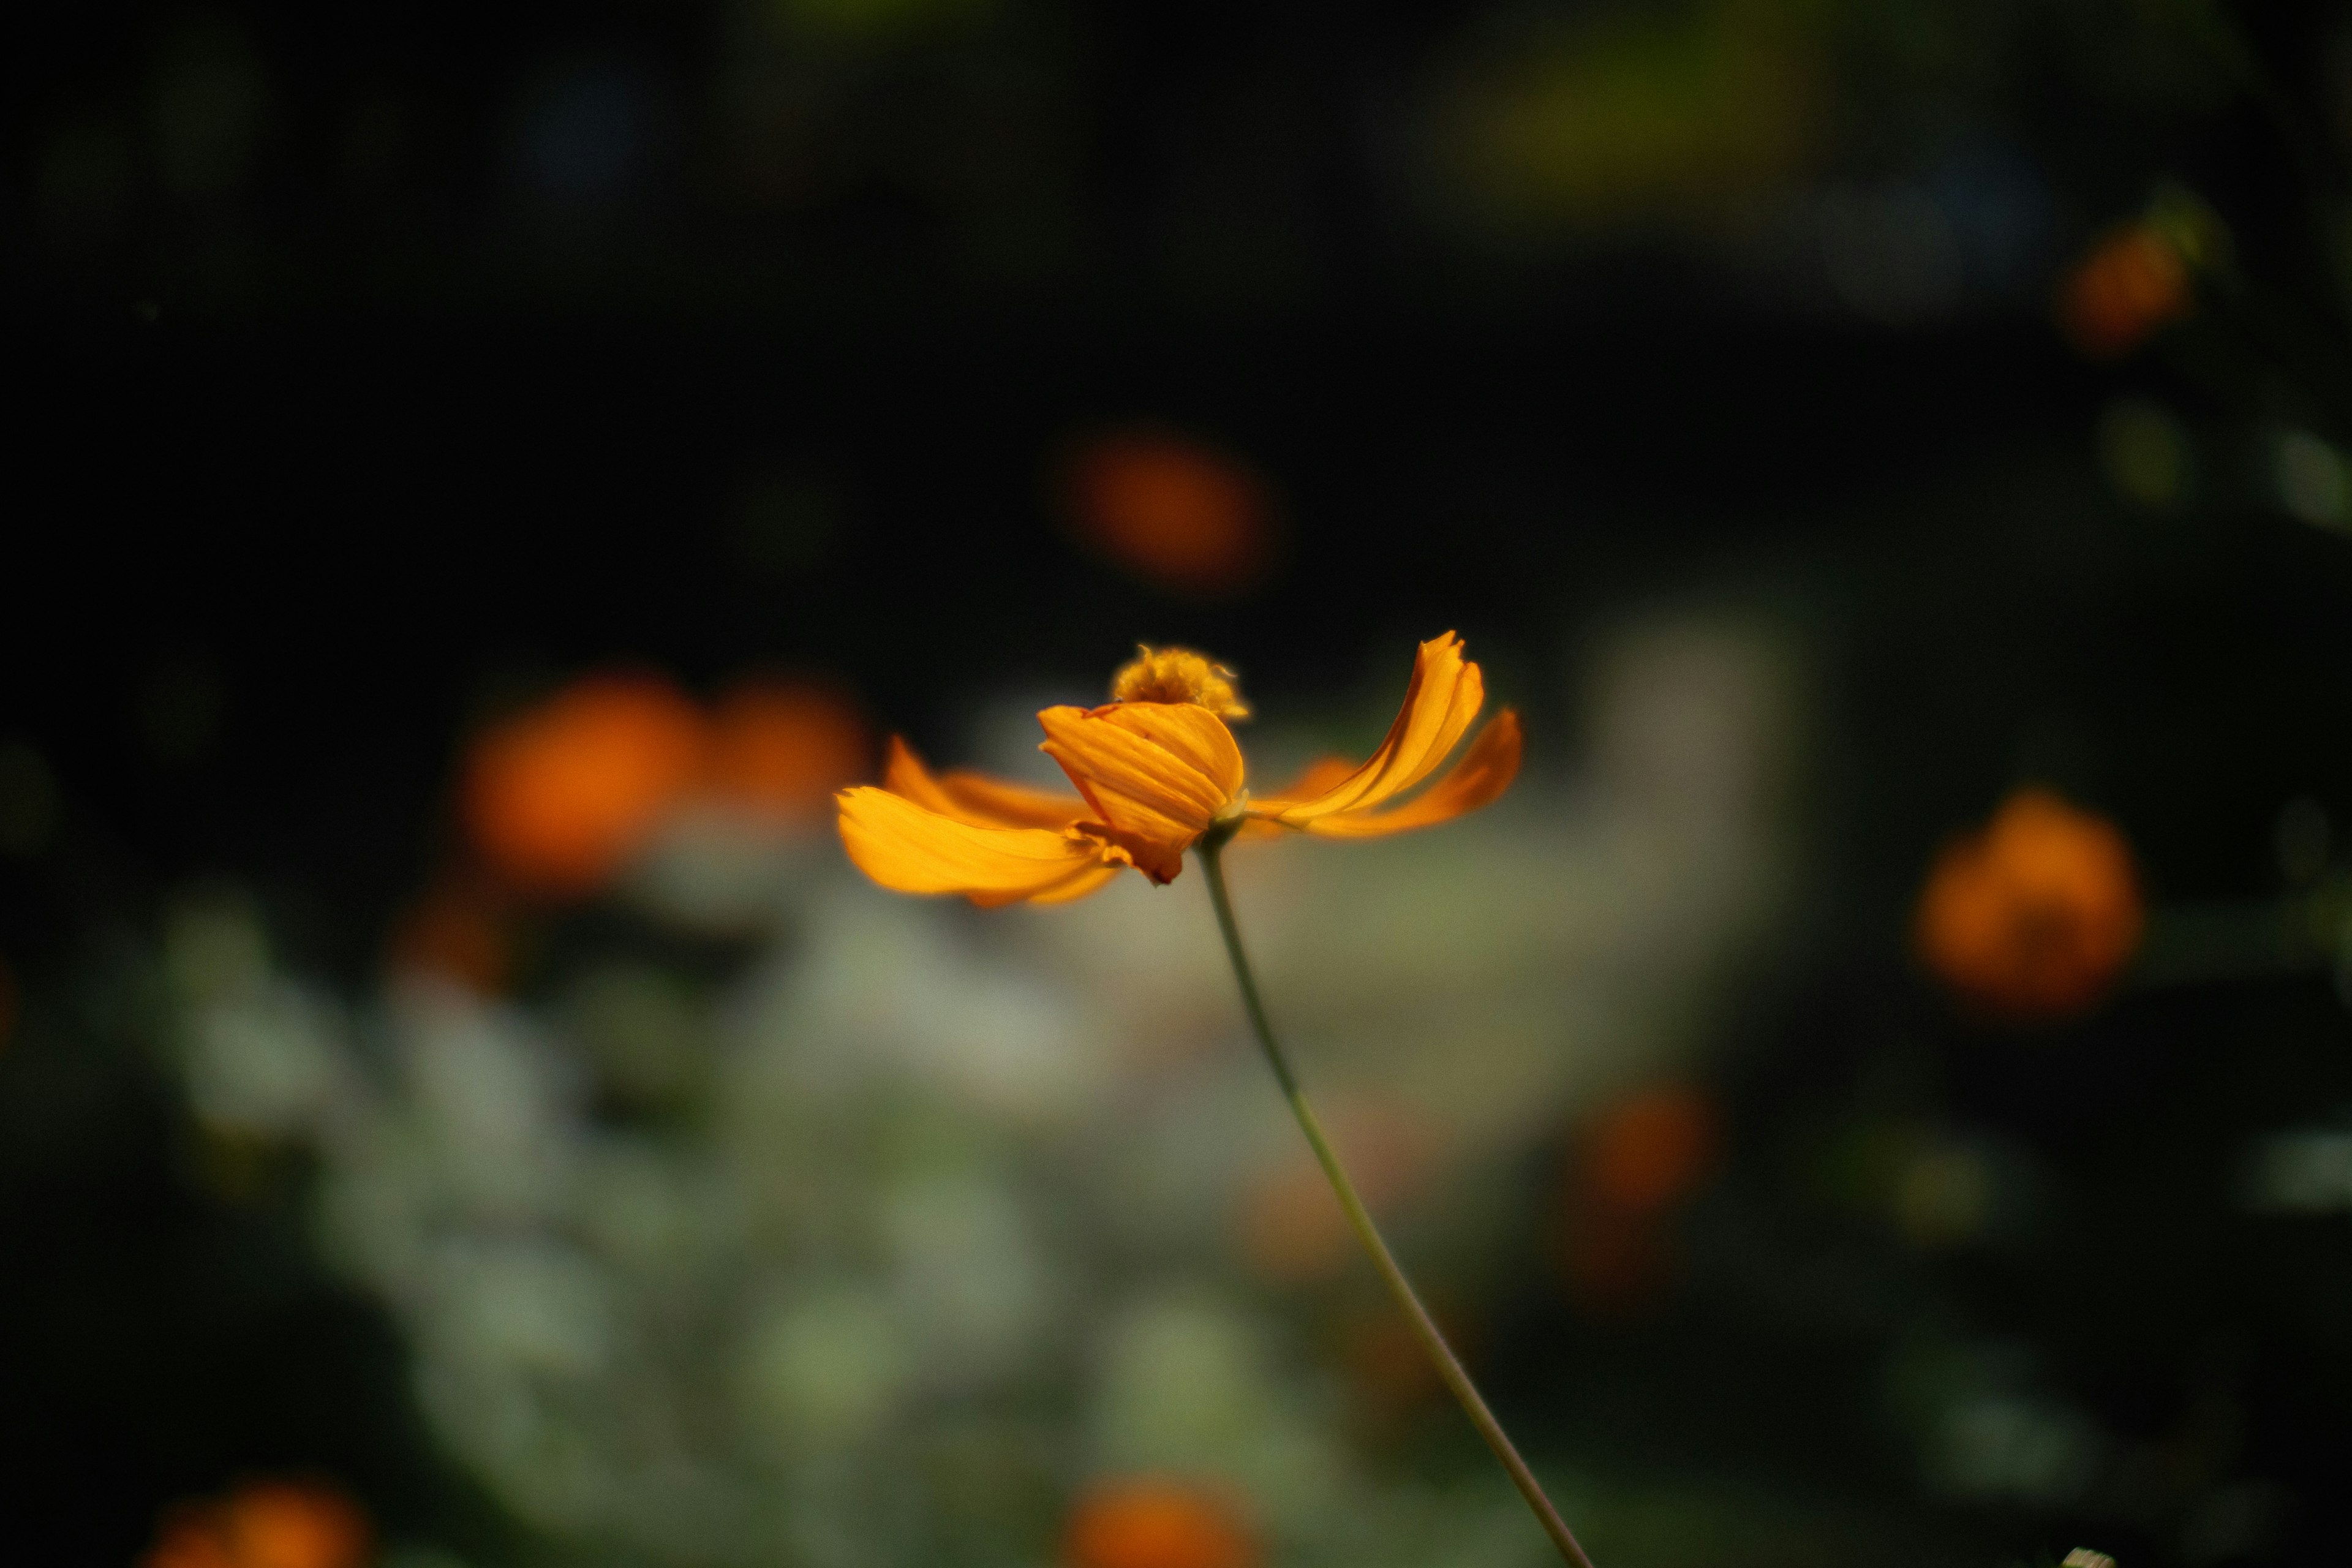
[(1424, 1328)]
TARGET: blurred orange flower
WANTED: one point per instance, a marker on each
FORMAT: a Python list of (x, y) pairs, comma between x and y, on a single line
[(1642, 1156), (1649, 1150), (1157, 771), (1389, 1373), (1172, 511), (2132, 282), (2034, 917), (783, 748), (266, 1524), (1155, 1524), (1292, 1230), (559, 795)]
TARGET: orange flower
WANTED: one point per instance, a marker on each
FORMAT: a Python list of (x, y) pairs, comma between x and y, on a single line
[(267, 1524), (557, 796), (1157, 771), (781, 750), (2034, 917), (2135, 281), (1155, 1524)]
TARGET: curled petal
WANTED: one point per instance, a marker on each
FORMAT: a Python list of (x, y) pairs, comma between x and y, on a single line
[(1444, 695), (1157, 773), (911, 849), (1485, 771), (976, 798), (1159, 858)]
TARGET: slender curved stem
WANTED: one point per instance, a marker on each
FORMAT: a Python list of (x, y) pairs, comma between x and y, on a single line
[(1424, 1328)]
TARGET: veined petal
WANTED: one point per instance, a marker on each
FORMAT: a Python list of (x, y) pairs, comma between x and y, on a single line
[(912, 849), (1485, 771), (1444, 695), (976, 798), (1158, 772)]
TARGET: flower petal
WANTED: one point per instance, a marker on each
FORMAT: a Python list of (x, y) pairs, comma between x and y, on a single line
[(1316, 778), (1485, 771), (1444, 695), (976, 798), (1158, 772), (1078, 887), (911, 849)]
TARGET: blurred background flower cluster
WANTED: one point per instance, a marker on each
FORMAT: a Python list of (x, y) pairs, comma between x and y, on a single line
[(1879, 1089)]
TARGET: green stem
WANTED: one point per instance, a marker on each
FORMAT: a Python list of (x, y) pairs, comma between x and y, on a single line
[(1424, 1328)]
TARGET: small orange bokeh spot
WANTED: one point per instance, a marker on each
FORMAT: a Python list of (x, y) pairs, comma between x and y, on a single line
[(1638, 1160), (1291, 1228), (1172, 511), (2033, 918), (1388, 1371), (557, 797), (458, 930), (1649, 1150), (266, 1524), (1156, 1524), (781, 749), (2132, 282)]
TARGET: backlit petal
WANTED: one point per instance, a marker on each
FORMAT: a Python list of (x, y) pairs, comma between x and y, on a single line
[(911, 849), (1485, 771), (1159, 771), (1446, 694), (976, 798)]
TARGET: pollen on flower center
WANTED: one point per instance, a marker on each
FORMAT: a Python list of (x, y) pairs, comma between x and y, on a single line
[(1179, 675)]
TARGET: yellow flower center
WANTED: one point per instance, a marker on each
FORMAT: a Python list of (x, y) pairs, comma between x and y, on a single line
[(1179, 675)]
